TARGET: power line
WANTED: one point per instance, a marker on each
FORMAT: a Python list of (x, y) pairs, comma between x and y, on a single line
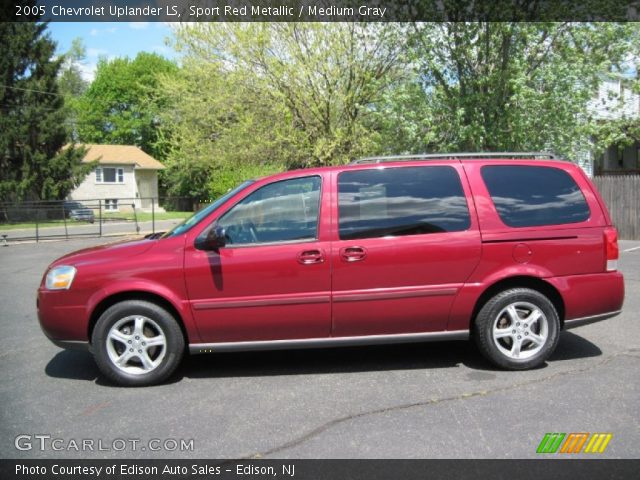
[(9, 106), (31, 90)]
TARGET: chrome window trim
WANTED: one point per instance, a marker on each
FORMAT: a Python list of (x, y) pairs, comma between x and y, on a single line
[(269, 244)]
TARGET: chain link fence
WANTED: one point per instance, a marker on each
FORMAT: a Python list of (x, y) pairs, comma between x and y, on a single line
[(42, 220)]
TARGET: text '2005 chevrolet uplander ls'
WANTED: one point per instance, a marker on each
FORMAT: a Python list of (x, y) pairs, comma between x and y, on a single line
[(508, 249)]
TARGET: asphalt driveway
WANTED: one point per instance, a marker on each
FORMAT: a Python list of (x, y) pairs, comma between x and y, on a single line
[(436, 400)]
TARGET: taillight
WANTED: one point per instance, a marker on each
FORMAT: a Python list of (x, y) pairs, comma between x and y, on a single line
[(611, 248)]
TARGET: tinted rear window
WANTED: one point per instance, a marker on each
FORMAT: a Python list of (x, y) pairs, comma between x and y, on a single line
[(527, 196), (401, 201)]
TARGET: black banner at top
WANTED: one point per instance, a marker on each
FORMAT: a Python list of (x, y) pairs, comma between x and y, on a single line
[(320, 10)]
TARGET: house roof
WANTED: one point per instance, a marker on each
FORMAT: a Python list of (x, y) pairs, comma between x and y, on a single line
[(120, 154)]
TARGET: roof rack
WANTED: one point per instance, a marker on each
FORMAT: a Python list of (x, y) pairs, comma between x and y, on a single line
[(448, 156)]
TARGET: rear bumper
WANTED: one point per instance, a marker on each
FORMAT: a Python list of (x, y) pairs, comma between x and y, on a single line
[(590, 298)]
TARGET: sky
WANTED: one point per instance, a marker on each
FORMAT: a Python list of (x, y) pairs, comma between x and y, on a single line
[(115, 39)]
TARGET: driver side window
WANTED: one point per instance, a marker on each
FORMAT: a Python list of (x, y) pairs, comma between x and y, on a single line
[(282, 211)]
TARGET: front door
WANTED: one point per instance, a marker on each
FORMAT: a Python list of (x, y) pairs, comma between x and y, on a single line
[(272, 279), (405, 243)]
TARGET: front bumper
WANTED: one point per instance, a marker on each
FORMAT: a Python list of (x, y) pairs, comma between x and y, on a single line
[(72, 345), (60, 318)]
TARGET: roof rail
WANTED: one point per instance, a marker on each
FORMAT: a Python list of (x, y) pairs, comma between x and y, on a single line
[(447, 156)]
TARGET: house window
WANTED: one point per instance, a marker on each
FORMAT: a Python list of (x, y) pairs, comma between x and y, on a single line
[(109, 175), (111, 205)]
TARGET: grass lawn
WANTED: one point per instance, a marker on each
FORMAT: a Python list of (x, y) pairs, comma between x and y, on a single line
[(48, 223), (144, 216), (106, 217)]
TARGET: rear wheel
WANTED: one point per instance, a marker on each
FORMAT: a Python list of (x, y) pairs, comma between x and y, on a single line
[(517, 329), (137, 343)]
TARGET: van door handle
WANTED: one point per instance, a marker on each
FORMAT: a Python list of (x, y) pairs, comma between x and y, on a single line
[(353, 254), (309, 257)]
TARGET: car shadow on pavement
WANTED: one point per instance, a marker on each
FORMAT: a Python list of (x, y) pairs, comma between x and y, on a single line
[(328, 360), (73, 365), (363, 359), (76, 365), (572, 346)]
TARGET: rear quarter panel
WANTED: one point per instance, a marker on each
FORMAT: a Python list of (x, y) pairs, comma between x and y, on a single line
[(554, 253)]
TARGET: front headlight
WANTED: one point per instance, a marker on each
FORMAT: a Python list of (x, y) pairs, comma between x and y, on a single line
[(60, 278)]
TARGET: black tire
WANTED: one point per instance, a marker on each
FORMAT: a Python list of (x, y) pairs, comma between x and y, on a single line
[(156, 324), (501, 348)]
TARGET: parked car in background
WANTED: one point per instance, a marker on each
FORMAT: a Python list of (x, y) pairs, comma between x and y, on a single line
[(79, 212), (506, 249), (82, 215)]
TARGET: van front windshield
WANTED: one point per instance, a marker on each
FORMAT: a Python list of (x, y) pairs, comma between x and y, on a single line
[(197, 217)]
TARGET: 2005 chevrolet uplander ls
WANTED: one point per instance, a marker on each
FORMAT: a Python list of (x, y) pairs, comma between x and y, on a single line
[(505, 248)]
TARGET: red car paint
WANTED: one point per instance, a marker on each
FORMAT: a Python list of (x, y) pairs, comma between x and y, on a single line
[(346, 288)]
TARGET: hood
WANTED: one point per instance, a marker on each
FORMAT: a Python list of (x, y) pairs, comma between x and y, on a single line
[(110, 252)]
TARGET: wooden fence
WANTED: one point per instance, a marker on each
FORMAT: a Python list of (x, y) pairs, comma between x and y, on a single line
[(621, 193)]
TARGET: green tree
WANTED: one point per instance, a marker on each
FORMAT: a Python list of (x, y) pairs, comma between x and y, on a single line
[(219, 132), (71, 83), (316, 94), (122, 104), (33, 164), (621, 129), (267, 95), (512, 86), (70, 79)]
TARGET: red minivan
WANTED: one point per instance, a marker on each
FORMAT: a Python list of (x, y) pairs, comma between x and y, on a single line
[(506, 248)]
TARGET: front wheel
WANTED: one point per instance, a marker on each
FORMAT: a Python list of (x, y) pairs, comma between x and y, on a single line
[(137, 343), (517, 329)]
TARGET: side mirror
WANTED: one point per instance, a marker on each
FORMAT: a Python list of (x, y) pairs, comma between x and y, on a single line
[(214, 240)]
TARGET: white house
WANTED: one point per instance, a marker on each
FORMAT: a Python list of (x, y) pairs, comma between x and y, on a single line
[(616, 101), (124, 176)]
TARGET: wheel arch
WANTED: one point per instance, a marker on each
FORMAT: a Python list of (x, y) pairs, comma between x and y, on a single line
[(150, 297), (523, 281)]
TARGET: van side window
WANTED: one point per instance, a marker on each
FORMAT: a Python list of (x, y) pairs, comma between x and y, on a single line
[(529, 196), (282, 211), (399, 201)]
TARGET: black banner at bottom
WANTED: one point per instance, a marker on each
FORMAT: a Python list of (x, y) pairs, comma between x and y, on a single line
[(537, 469)]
